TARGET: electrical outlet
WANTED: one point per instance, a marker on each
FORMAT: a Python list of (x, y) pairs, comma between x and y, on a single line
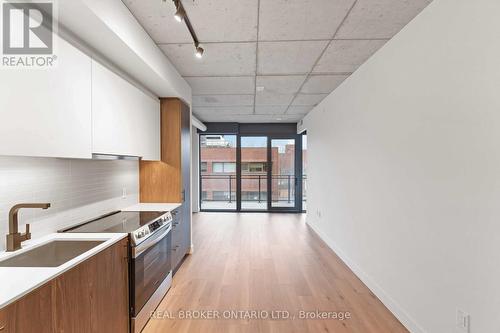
[(463, 322), (124, 193)]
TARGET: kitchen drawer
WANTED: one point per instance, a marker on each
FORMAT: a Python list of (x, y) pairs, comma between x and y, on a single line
[(178, 237), (3, 321), (176, 215)]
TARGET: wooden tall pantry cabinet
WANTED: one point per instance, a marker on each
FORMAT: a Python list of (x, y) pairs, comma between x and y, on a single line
[(169, 180)]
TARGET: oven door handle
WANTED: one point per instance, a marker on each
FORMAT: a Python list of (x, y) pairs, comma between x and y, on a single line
[(139, 249)]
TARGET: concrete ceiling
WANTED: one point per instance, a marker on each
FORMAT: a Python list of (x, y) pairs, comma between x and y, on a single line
[(271, 60)]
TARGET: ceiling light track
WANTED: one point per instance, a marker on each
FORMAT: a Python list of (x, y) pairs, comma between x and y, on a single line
[(181, 15)]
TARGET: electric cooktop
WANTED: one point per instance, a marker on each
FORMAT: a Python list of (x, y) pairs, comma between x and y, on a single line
[(126, 222)]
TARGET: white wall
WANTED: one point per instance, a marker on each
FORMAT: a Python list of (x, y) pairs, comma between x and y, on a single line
[(77, 189), (404, 168)]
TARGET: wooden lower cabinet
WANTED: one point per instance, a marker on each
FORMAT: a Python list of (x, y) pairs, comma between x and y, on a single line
[(32, 313), (3, 320), (91, 297)]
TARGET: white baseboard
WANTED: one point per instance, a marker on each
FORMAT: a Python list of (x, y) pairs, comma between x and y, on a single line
[(384, 297)]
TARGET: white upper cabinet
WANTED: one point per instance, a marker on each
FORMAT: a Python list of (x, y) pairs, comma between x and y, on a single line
[(47, 112), (125, 120), (74, 109)]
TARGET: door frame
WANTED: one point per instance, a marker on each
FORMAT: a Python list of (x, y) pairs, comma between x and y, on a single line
[(238, 177), (298, 173)]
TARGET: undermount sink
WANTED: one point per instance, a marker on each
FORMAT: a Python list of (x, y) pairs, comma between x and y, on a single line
[(52, 254)]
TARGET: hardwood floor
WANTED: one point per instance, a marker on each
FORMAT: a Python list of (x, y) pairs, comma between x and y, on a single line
[(266, 262)]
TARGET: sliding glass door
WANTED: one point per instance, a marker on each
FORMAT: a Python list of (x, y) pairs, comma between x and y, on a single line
[(284, 177), (285, 156), (254, 173), (251, 173)]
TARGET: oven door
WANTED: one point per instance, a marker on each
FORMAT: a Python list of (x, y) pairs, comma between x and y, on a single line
[(151, 263)]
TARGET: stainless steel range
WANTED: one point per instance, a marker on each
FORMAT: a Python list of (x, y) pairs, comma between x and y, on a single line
[(150, 271)]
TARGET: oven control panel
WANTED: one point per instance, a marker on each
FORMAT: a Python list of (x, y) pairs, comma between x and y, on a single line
[(147, 230)]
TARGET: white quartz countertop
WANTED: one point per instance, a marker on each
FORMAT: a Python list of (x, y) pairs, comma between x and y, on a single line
[(15, 282), (153, 207)]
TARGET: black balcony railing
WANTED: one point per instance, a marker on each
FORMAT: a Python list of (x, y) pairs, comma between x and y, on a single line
[(254, 187)]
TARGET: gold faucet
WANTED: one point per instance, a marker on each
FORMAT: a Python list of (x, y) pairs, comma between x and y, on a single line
[(14, 238)]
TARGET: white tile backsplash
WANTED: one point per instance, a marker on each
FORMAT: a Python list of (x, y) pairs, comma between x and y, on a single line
[(78, 190)]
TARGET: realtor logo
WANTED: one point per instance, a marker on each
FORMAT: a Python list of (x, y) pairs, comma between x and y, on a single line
[(28, 34), (27, 28)]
